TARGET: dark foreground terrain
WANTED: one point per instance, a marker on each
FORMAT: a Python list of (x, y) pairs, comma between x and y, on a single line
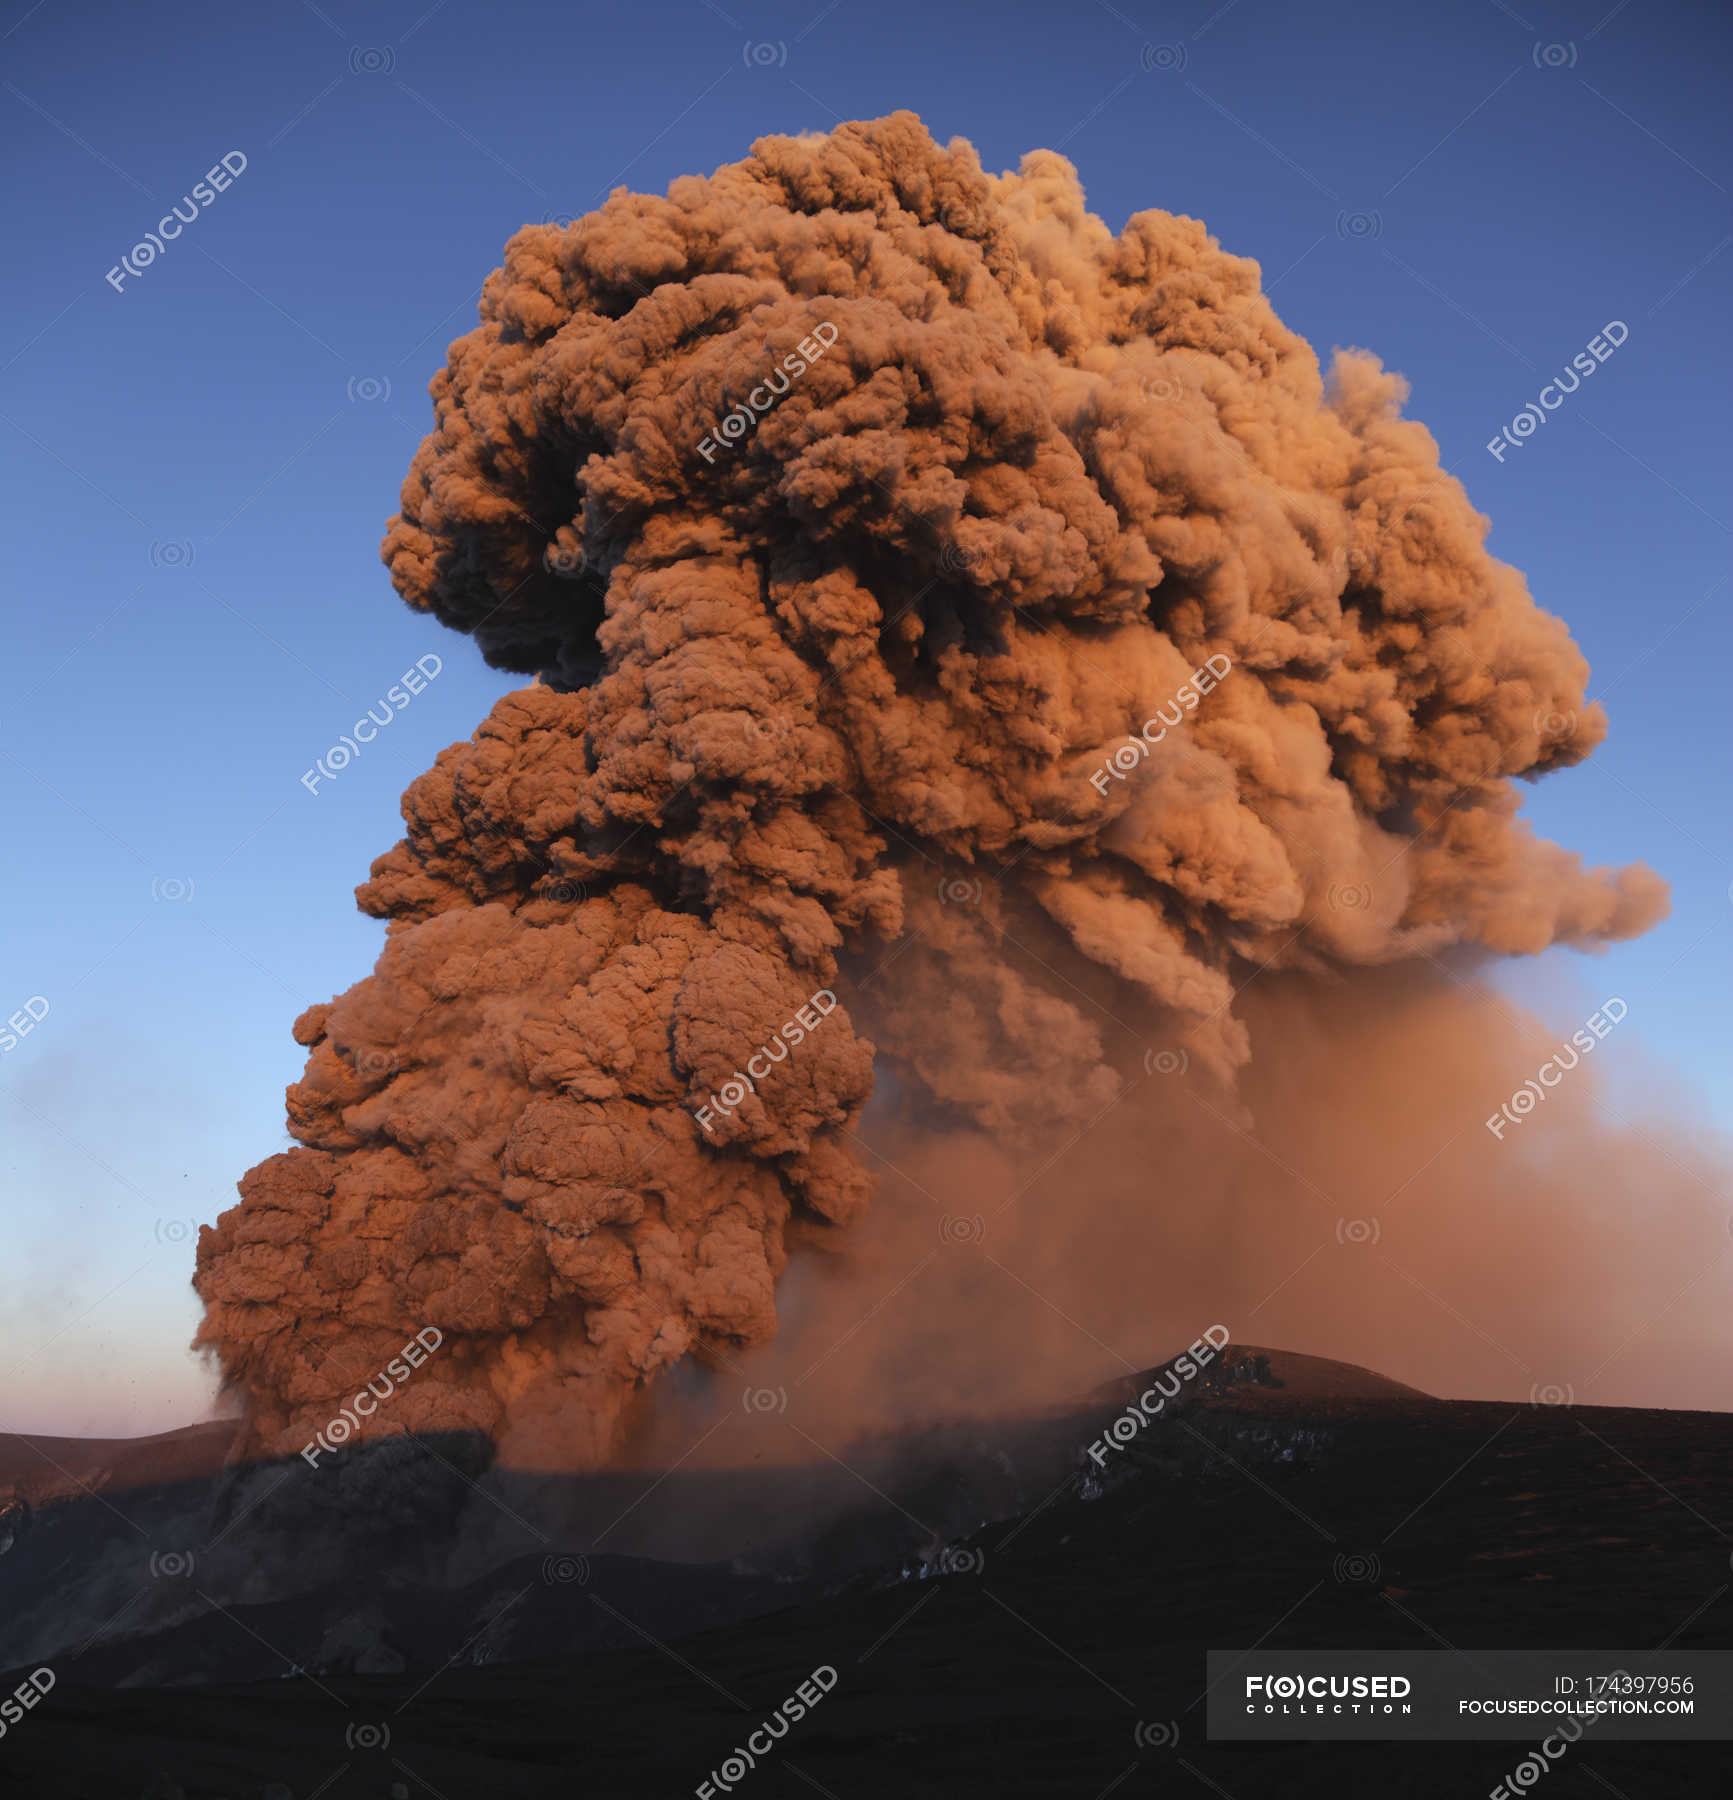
[(1057, 1649)]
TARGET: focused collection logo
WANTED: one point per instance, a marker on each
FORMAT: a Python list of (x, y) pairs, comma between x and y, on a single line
[(1288, 1695)]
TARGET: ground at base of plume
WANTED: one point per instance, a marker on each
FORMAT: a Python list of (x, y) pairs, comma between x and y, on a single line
[(1307, 1519)]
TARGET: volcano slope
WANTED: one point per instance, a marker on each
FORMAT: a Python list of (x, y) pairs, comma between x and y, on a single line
[(1055, 1650)]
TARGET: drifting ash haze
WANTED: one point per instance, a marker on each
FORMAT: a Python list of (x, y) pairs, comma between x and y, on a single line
[(820, 697)]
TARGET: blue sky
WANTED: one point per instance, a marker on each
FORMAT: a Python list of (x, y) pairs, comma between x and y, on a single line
[(201, 465)]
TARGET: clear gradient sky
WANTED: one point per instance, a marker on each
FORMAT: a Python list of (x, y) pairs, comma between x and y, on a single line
[(200, 464)]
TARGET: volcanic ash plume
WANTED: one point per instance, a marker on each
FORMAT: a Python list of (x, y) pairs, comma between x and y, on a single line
[(867, 520)]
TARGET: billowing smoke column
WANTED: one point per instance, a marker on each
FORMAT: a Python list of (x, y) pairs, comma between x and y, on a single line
[(926, 587)]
